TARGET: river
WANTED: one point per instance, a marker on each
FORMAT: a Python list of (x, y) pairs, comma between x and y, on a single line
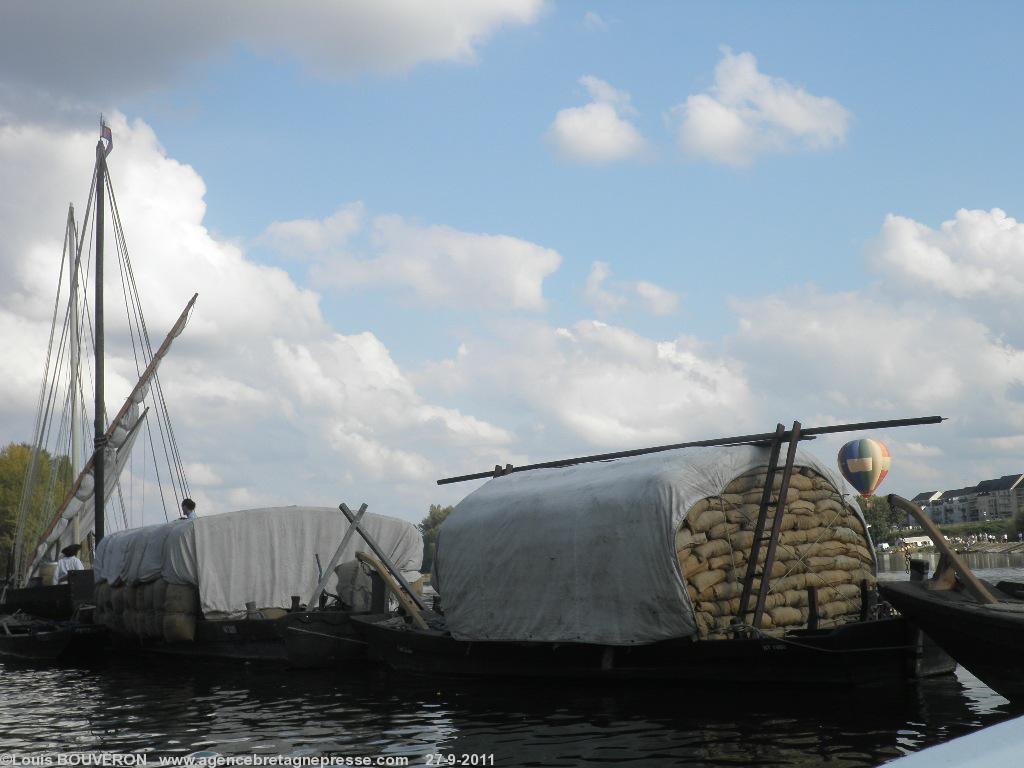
[(167, 708)]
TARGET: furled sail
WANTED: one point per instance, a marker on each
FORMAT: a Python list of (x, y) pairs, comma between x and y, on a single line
[(79, 510), (78, 506)]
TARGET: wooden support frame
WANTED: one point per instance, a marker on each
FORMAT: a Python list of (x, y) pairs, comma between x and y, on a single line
[(773, 540), (392, 571), (762, 516), (972, 583), (325, 576), (403, 596)]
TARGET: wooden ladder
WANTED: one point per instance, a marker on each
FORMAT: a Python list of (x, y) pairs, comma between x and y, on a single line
[(762, 518)]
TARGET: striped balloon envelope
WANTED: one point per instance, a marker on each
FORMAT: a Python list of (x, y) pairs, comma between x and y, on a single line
[(864, 463)]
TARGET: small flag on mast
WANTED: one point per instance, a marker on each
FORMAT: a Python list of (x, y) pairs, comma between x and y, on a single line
[(106, 134)]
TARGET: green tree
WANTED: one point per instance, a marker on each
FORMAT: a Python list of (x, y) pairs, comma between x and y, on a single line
[(881, 517), (14, 461), (430, 527)]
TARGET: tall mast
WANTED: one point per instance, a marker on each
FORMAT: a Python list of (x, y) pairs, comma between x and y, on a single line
[(76, 425), (98, 429)]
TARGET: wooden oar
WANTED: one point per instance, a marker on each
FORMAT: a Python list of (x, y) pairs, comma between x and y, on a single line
[(403, 597), (974, 585), (326, 575)]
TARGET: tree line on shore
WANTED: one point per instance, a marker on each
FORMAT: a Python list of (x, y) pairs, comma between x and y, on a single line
[(14, 462), (887, 525)]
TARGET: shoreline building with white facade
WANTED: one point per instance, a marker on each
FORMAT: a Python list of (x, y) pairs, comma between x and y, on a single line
[(997, 499)]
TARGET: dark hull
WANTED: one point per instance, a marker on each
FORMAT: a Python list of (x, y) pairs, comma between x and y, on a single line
[(45, 602), (321, 639), (867, 653), (302, 639), (241, 640), (36, 645), (987, 641), (56, 602)]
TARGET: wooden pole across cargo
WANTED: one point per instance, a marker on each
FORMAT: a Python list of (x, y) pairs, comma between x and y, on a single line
[(766, 438)]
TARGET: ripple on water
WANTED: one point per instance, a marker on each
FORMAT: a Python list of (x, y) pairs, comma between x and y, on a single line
[(164, 707)]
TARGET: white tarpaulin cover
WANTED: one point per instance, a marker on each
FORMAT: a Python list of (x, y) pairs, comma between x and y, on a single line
[(585, 553), (253, 555)]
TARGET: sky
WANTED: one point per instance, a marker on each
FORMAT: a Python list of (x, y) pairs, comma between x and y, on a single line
[(429, 238)]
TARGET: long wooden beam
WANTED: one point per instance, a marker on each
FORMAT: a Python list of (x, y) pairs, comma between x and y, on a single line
[(974, 584), (765, 438)]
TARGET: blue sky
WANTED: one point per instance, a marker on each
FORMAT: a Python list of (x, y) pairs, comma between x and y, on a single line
[(463, 145), (473, 219)]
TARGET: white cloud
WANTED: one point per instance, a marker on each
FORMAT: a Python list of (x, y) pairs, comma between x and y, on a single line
[(309, 238), (596, 295), (605, 385), (607, 300), (202, 474), (747, 113), (271, 405), (976, 255), (441, 265), (658, 300), (891, 355), (594, 22), (599, 132), (50, 48)]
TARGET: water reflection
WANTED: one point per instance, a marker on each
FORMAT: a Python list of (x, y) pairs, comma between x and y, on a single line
[(260, 709), (989, 566), (165, 707)]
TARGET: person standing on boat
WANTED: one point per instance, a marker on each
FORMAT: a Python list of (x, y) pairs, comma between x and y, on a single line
[(69, 562), (188, 510)]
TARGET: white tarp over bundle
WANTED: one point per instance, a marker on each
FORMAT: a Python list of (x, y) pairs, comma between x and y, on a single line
[(582, 554), (253, 555)]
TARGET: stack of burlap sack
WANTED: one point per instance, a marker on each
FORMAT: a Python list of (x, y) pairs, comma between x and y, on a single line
[(823, 545), (155, 610)]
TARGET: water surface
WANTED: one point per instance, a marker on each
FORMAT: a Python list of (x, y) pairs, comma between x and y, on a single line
[(164, 707)]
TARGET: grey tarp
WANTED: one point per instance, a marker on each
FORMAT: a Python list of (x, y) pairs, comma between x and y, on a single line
[(585, 553), (254, 555)]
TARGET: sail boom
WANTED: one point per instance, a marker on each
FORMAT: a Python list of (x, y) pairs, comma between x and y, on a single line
[(136, 395)]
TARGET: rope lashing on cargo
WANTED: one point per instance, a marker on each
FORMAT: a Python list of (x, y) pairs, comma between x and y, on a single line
[(765, 636), (802, 559)]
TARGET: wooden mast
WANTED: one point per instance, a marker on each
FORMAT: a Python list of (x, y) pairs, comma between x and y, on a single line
[(99, 429), (76, 426)]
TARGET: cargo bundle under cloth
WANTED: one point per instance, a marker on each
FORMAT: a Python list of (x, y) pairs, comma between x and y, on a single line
[(647, 548), (154, 582)]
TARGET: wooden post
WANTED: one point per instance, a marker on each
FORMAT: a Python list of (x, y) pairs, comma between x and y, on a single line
[(812, 607), (404, 597), (974, 585), (325, 576)]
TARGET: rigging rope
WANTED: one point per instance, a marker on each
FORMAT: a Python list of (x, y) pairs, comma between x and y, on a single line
[(54, 377)]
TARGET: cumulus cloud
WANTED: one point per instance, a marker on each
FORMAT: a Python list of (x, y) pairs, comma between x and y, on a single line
[(658, 300), (599, 132), (858, 355), (271, 404), (606, 385), (607, 299), (595, 293), (441, 265), (747, 113), (49, 47), (310, 238), (975, 255)]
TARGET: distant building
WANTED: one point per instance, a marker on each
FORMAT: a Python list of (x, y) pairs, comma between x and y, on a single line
[(998, 499), (916, 541)]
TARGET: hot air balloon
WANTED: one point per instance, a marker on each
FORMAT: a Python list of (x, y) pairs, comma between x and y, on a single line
[(864, 463)]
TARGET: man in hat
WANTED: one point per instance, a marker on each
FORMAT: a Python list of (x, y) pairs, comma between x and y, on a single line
[(69, 562), (188, 510)]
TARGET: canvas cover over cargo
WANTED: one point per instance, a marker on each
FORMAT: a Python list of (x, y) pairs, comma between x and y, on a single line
[(595, 553), (260, 556)]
